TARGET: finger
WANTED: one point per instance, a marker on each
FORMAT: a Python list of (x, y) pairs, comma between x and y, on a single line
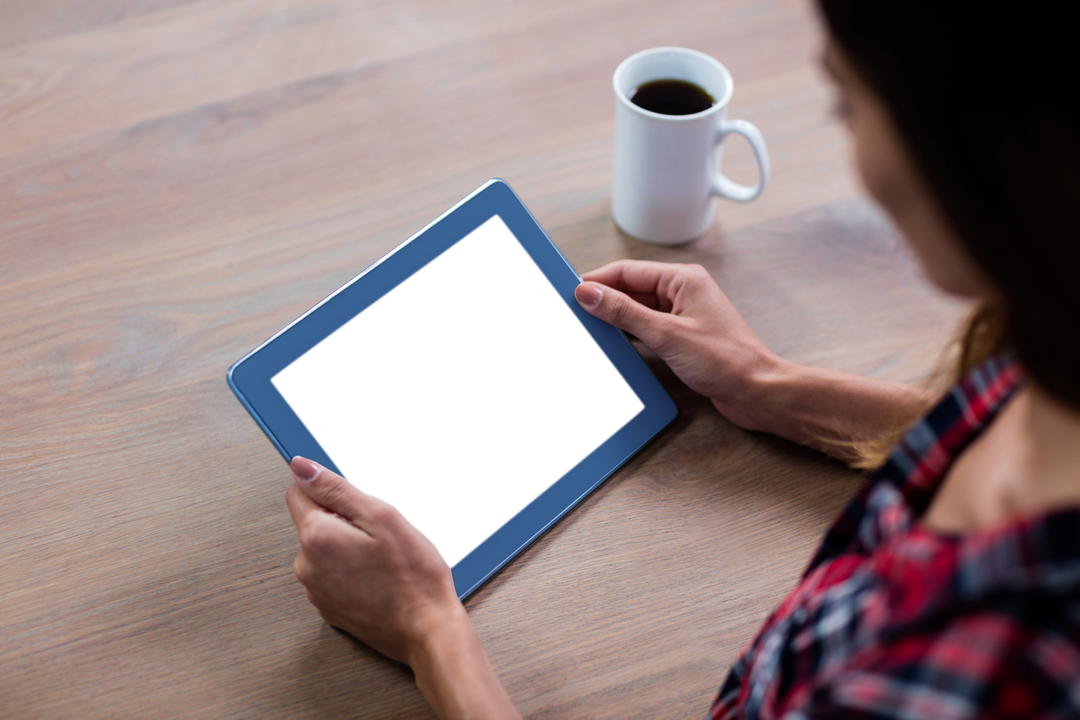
[(300, 505), (611, 274), (322, 532), (622, 311), (650, 283), (607, 274), (630, 276), (330, 491), (303, 569)]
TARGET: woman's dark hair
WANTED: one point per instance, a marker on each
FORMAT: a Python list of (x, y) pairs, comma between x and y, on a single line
[(988, 105)]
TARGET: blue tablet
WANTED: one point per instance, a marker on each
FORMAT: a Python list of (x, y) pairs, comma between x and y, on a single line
[(458, 379)]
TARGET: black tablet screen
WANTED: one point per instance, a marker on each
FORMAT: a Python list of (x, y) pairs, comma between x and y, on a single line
[(463, 393)]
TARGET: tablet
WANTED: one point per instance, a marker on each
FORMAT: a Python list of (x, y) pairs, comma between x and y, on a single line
[(458, 379)]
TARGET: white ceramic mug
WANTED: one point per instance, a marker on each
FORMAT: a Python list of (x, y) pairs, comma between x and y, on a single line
[(667, 167)]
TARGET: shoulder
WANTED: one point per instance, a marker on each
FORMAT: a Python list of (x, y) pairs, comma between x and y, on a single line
[(917, 465)]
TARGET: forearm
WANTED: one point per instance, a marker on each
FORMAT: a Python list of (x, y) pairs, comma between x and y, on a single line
[(454, 675), (828, 410)]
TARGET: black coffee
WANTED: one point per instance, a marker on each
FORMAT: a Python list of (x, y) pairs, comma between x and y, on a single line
[(671, 97)]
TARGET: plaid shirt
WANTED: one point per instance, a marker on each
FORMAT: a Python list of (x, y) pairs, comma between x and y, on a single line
[(892, 620)]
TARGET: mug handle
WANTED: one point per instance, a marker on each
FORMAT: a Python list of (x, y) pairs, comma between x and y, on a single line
[(727, 188)]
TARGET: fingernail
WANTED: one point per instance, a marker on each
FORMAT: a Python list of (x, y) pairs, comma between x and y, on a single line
[(588, 294), (304, 469)]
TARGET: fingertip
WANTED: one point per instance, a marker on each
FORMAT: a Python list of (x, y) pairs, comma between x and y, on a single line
[(303, 469), (589, 294)]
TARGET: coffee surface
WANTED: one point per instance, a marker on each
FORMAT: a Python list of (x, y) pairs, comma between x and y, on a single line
[(671, 97)]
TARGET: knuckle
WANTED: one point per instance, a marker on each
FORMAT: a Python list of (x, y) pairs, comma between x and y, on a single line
[(332, 490), (302, 569), (697, 273), (321, 606), (317, 536), (618, 310), (384, 514), (665, 334)]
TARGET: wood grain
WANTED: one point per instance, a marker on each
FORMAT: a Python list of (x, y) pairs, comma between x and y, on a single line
[(180, 179)]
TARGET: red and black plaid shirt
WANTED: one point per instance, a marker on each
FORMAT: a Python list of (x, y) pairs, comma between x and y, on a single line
[(892, 620)]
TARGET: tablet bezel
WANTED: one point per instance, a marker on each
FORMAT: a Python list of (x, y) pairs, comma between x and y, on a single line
[(250, 377)]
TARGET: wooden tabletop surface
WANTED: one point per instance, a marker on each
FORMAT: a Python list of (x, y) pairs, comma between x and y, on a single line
[(181, 178)]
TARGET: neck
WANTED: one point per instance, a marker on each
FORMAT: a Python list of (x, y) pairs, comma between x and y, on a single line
[(1035, 466), (1026, 463), (1052, 444)]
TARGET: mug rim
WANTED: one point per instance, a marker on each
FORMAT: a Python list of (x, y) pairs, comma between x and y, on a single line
[(719, 105)]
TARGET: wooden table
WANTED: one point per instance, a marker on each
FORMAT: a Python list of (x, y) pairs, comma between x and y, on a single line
[(180, 178)]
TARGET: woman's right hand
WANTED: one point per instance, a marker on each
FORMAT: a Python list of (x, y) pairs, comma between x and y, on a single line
[(681, 314)]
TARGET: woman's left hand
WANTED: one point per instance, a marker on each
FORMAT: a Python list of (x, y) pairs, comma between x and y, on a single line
[(375, 576), (366, 569)]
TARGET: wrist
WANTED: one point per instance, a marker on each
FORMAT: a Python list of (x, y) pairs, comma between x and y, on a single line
[(442, 630), (824, 409), (749, 403), (453, 673), (435, 658)]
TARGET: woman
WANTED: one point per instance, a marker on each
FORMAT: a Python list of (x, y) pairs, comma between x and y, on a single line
[(950, 586)]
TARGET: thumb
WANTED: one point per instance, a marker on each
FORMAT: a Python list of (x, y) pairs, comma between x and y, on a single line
[(327, 488), (622, 311)]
